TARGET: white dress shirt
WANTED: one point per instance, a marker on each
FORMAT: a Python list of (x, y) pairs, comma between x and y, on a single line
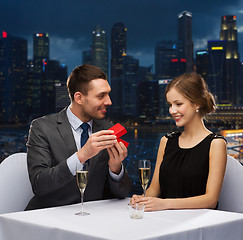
[(73, 161)]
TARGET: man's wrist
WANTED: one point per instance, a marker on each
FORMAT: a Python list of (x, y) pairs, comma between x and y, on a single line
[(73, 164), (81, 157), (115, 168), (117, 177)]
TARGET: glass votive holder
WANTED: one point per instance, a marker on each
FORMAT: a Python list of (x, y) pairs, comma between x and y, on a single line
[(136, 210)]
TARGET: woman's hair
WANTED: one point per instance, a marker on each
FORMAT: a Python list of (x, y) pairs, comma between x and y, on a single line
[(193, 87), (81, 76)]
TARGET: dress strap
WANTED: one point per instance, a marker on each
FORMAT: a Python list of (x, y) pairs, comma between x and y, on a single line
[(172, 134), (214, 135)]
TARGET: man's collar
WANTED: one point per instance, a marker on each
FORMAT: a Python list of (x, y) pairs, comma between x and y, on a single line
[(75, 121)]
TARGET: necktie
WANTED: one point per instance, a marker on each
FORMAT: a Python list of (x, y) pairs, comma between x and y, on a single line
[(84, 135)]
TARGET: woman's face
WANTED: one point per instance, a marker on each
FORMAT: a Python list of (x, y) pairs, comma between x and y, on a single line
[(181, 109)]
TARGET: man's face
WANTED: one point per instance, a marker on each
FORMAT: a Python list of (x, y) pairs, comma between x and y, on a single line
[(95, 103)]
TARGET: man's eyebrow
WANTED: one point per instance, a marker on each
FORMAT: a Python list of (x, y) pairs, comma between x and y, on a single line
[(104, 92)]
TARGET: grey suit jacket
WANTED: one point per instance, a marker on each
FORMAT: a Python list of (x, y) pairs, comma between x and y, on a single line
[(49, 145)]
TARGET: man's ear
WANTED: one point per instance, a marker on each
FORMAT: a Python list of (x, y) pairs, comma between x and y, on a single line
[(78, 97)]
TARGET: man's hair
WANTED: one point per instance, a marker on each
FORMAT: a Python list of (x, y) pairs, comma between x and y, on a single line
[(81, 76)]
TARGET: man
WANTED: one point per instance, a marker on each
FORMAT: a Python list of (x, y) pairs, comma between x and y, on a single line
[(54, 149)]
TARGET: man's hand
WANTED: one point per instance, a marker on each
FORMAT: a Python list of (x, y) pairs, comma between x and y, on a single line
[(117, 153), (95, 143)]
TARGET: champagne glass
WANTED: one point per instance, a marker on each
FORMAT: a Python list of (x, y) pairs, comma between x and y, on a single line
[(82, 179), (144, 167)]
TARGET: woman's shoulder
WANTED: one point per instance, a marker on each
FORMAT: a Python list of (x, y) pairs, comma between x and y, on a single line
[(217, 141)]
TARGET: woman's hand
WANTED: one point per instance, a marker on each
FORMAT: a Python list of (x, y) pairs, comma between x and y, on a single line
[(150, 203), (135, 199)]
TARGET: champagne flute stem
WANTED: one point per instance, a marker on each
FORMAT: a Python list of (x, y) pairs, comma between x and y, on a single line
[(144, 191), (82, 201)]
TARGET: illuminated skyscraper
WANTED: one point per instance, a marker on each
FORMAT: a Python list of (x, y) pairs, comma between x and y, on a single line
[(168, 62), (87, 57), (118, 50), (40, 58), (61, 96), (202, 63), (30, 82), (185, 36), (228, 33), (164, 52), (241, 83), (130, 86), (148, 88), (53, 73), (40, 50), (163, 106), (216, 70), (100, 50), (13, 79)]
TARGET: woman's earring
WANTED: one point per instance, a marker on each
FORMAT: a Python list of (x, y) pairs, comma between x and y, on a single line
[(197, 110)]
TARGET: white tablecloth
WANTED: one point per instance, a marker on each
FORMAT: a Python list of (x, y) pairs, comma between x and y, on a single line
[(110, 220)]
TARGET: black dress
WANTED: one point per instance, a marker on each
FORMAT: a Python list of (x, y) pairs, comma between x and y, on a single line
[(184, 171)]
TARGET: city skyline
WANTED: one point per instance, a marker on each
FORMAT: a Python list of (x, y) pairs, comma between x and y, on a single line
[(70, 24)]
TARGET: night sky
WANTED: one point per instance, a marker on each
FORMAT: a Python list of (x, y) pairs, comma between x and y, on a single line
[(70, 23)]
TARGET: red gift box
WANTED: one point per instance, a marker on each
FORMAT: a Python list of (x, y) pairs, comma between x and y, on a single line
[(124, 142), (119, 131)]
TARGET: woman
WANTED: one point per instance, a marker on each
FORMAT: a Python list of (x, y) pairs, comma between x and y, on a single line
[(190, 165)]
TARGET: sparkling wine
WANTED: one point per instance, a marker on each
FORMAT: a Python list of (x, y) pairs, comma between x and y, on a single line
[(82, 179), (144, 175)]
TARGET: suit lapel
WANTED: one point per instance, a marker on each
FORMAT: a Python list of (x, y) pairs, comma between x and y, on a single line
[(65, 131), (97, 126)]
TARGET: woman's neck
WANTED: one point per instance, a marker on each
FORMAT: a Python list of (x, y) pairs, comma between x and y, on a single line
[(195, 129)]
